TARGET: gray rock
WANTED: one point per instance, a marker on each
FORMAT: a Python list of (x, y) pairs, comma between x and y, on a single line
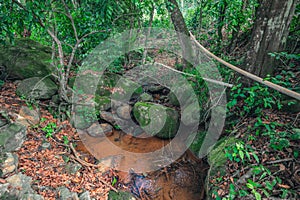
[(124, 112), (100, 130), (146, 97), (85, 196), (26, 59), (109, 117), (3, 122), (3, 189), (65, 194), (37, 88), (30, 116), (12, 136), (173, 99), (84, 116), (21, 184), (9, 163), (46, 145), (156, 119), (102, 103), (72, 168), (32, 197), (116, 104)]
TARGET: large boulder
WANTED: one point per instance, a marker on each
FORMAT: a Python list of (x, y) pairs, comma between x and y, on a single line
[(156, 119), (37, 88), (26, 59)]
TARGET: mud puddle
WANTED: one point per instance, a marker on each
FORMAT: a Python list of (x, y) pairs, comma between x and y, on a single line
[(183, 179)]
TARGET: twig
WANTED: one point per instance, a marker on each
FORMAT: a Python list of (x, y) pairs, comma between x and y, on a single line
[(279, 161)]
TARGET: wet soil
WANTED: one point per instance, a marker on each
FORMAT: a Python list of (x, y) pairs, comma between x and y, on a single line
[(182, 179)]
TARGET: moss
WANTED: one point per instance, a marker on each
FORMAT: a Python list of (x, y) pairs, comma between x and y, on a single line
[(152, 119)]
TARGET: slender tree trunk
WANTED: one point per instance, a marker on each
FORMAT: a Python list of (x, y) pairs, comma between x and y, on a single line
[(270, 32), (180, 27)]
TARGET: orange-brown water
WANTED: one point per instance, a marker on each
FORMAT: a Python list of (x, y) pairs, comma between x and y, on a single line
[(182, 179)]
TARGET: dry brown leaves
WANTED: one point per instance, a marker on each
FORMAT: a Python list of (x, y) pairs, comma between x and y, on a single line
[(47, 166)]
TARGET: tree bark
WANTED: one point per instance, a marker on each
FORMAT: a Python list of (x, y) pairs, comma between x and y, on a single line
[(181, 28), (269, 34)]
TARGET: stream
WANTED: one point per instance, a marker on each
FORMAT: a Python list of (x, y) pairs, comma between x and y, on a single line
[(182, 179)]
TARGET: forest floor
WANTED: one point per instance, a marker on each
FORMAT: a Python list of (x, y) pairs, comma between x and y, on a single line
[(47, 167)]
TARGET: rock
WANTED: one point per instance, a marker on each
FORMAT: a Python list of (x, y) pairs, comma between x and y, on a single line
[(37, 88), (146, 97), (116, 104), (46, 145), (9, 163), (120, 196), (100, 130), (30, 116), (154, 88), (196, 141), (173, 99), (3, 122), (156, 119), (21, 184), (85, 196), (12, 137), (109, 117), (102, 103), (124, 112), (292, 106), (84, 116), (32, 197), (4, 190), (72, 168), (190, 115), (65, 194), (26, 59)]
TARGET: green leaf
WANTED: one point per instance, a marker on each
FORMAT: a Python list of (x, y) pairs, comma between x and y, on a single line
[(257, 196)]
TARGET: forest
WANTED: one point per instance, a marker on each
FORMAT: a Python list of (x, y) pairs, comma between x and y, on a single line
[(141, 99)]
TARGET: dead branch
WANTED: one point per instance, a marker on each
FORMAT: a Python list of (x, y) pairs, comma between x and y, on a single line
[(247, 74)]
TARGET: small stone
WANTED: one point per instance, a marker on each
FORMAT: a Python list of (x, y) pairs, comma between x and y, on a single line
[(32, 116), (100, 130), (21, 183), (3, 189), (9, 164), (72, 168), (65, 194), (146, 97), (46, 145), (85, 196), (124, 112)]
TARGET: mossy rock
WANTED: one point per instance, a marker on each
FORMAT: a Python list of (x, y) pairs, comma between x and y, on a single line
[(102, 102), (156, 119), (37, 88), (196, 142), (26, 59), (120, 196)]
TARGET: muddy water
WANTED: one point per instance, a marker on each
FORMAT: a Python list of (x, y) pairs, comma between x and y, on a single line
[(183, 179)]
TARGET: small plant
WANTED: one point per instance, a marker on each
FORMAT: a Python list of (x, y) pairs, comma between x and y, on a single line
[(239, 152), (66, 140), (49, 129)]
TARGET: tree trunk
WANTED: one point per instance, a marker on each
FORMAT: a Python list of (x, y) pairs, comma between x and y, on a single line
[(269, 34), (180, 27)]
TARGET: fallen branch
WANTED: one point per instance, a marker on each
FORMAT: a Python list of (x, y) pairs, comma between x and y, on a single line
[(279, 161), (192, 75), (247, 74)]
